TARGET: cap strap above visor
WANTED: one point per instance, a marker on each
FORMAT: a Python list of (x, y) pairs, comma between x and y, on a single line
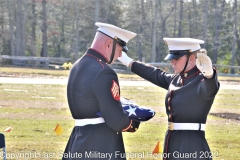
[(179, 52), (175, 54)]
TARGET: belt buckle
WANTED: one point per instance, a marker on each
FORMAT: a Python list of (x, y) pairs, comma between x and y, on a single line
[(170, 126)]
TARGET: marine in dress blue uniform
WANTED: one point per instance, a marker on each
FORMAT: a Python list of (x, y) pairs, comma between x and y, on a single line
[(190, 95), (93, 87)]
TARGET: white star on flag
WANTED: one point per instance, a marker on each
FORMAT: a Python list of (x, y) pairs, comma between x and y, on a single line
[(131, 111)]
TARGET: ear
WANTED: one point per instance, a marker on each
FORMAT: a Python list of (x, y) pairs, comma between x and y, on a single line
[(192, 58), (108, 43)]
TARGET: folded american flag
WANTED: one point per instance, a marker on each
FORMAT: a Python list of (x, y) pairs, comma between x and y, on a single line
[(135, 111)]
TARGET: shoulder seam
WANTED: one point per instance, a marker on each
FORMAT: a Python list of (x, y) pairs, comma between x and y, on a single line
[(97, 60)]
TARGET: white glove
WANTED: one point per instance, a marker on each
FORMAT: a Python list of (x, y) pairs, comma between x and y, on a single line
[(204, 64), (125, 59)]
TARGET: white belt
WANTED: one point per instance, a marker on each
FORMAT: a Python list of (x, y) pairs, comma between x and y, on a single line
[(87, 121), (186, 126)]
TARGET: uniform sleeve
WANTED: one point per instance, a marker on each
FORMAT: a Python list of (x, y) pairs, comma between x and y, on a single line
[(107, 91), (152, 74), (210, 87)]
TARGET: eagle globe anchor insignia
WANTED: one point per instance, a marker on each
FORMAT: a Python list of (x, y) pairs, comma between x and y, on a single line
[(135, 111)]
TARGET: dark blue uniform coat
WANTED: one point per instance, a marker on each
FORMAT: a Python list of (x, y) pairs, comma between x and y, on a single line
[(93, 87), (188, 100)]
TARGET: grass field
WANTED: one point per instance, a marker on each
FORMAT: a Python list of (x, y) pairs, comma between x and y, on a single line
[(33, 111), (50, 72)]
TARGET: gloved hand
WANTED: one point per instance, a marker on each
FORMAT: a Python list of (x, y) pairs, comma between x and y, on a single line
[(204, 64), (125, 59)]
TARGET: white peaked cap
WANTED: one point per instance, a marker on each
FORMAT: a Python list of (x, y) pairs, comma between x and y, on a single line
[(113, 31), (176, 44)]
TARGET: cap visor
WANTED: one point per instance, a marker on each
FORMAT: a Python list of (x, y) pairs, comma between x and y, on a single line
[(125, 49), (172, 56)]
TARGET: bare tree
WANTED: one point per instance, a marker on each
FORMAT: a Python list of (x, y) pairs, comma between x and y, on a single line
[(175, 19), (66, 27), (235, 23), (180, 19), (153, 55), (238, 49), (191, 22), (61, 42), (23, 27), (107, 10), (2, 28), (205, 22), (217, 24), (163, 31), (33, 30), (193, 19), (96, 17), (12, 48), (77, 30), (44, 50), (140, 30), (18, 28)]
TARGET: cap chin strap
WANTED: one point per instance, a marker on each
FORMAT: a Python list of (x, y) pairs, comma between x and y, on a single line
[(113, 51), (188, 55)]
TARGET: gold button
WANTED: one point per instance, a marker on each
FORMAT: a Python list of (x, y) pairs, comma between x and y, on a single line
[(169, 99), (185, 74), (131, 126), (200, 73), (169, 108), (169, 116), (117, 132), (135, 129)]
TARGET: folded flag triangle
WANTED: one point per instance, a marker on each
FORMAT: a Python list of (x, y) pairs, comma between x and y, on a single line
[(58, 129), (157, 149)]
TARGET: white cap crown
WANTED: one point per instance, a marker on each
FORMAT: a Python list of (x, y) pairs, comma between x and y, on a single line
[(176, 44), (113, 31)]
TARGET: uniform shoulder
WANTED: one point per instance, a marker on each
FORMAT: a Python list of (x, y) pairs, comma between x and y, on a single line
[(94, 60), (106, 73)]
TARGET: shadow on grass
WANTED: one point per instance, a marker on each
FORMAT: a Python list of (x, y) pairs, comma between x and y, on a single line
[(232, 116)]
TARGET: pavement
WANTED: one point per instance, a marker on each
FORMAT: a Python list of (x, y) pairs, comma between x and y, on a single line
[(63, 81)]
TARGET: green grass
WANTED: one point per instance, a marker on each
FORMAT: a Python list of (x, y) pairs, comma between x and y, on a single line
[(33, 117), (228, 99), (27, 71), (224, 139), (54, 72), (33, 111), (145, 95)]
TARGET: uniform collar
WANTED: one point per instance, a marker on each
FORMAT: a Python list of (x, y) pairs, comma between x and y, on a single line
[(190, 73), (96, 54)]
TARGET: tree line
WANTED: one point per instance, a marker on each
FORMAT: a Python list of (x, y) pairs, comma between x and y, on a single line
[(65, 28)]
